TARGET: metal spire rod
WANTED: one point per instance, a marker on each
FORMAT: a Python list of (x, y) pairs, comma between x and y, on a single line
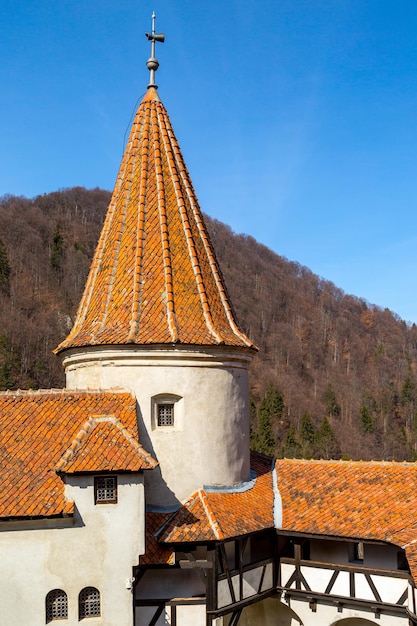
[(152, 63)]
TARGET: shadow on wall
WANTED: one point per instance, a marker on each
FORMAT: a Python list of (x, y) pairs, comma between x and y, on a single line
[(153, 478), (354, 621), (269, 612)]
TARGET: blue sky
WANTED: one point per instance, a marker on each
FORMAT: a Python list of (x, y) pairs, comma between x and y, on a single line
[(297, 119)]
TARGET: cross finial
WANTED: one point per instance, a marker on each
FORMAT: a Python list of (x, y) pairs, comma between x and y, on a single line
[(152, 63)]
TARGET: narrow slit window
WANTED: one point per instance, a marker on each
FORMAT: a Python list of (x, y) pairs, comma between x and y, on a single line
[(165, 414), (359, 551), (356, 552), (105, 489)]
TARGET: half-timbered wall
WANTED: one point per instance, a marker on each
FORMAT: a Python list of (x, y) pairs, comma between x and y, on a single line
[(170, 595)]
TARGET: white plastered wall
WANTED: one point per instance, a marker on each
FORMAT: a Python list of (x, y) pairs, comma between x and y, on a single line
[(98, 548), (211, 430)]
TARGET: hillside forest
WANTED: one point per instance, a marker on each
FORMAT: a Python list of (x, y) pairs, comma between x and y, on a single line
[(335, 376)]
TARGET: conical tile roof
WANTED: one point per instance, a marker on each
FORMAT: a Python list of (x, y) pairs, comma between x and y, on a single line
[(154, 278)]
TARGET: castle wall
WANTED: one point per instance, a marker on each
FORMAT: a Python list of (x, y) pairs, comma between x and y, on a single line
[(96, 548), (210, 391)]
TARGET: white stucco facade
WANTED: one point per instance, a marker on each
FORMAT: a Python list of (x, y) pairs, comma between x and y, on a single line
[(210, 392), (98, 548)]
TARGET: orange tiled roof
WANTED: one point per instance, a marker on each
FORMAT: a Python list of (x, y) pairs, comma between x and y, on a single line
[(38, 427), (155, 552), (104, 444), (154, 278), (362, 500), (211, 515)]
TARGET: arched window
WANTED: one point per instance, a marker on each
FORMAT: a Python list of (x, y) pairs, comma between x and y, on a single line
[(56, 605), (89, 603)]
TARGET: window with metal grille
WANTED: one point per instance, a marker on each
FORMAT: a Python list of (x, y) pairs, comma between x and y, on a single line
[(165, 414), (105, 489), (89, 603), (56, 605)]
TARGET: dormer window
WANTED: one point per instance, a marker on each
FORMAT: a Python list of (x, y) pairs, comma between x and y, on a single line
[(105, 489)]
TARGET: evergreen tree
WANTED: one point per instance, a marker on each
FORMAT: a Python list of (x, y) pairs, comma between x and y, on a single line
[(7, 364), (366, 421), (6, 377), (270, 412), (290, 448), (252, 425), (57, 249), (328, 447), (408, 393), (332, 406), (4, 269), (308, 436), (307, 429)]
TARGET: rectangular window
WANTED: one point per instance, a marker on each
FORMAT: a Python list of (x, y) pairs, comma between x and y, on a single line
[(105, 489), (165, 414)]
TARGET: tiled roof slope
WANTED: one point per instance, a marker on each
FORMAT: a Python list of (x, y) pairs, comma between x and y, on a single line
[(155, 552), (154, 278), (38, 427), (104, 444), (362, 500), (217, 515)]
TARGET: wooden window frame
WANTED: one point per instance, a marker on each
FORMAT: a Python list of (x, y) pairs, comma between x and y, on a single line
[(98, 499)]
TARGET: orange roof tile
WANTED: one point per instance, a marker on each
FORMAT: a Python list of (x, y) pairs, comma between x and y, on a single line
[(361, 500), (154, 278), (36, 431), (358, 500), (211, 515)]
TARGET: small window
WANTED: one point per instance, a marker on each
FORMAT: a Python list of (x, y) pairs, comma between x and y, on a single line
[(56, 605), (356, 552), (89, 603), (165, 414), (105, 489)]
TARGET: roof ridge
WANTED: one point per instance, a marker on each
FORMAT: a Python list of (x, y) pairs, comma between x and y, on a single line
[(380, 463), (166, 256), (89, 426), (106, 229), (170, 152), (62, 392), (206, 241), (210, 514), (132, 440), (140, 233), (76, 443)]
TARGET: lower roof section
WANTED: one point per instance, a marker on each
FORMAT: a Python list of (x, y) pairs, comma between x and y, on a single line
[(46, 431)]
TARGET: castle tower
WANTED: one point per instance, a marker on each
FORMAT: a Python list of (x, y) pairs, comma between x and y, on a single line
[(156, 320)]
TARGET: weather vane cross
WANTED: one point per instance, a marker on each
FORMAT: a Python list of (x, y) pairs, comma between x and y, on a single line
[(152, 63)]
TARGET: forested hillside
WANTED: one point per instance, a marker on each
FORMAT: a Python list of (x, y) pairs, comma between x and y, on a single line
[(335, 376)]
